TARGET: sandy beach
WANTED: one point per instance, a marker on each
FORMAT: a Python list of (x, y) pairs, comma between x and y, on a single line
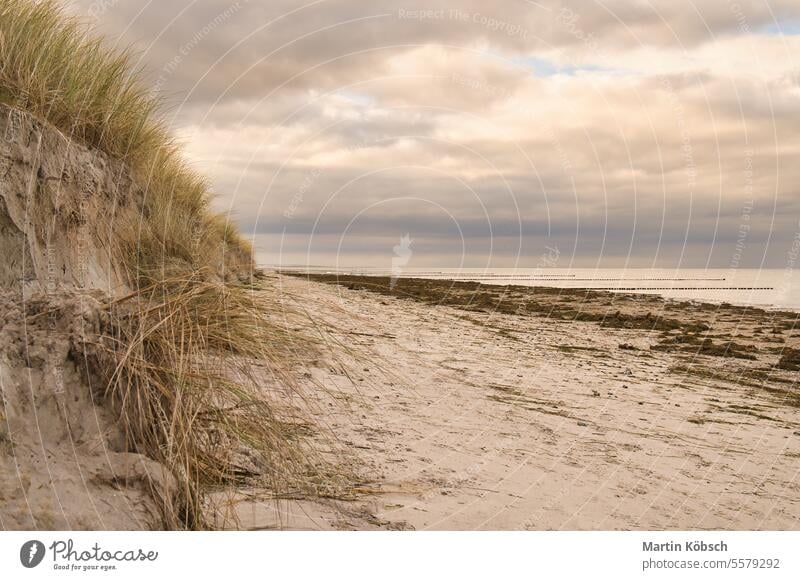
[(156, 375), (501, 408)]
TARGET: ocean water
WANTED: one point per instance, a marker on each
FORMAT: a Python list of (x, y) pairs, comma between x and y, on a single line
[(773, 289)]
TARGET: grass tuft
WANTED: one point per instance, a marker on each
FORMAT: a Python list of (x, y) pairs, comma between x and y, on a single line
[(190, 365)]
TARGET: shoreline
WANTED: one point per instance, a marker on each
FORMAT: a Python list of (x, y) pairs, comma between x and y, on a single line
[(505, 280), (380, 284)]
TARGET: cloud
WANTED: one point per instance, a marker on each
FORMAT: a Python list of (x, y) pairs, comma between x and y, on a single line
[(642, 133)]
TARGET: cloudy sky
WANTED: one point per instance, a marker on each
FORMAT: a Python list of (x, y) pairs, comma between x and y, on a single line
[(585, 133)]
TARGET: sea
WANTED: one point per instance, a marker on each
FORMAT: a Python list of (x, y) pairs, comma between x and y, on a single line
[(766, 288)]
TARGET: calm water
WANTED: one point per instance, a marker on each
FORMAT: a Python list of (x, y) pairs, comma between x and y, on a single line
[(765, 288)]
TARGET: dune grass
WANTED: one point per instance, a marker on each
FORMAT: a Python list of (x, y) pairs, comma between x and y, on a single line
[(51, 65), (183, 357), (177, 364)]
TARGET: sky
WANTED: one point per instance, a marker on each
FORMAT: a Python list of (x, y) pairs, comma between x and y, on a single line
[(638, 133)]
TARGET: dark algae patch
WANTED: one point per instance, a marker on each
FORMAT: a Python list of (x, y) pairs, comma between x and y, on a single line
[(607, 309), (737, 341), (694, 344)]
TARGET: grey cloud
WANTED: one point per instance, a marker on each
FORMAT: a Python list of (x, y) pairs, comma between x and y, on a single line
[(184, 40), (624, 161)]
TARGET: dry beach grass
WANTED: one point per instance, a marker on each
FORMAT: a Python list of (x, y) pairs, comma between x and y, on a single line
[(186, 335)]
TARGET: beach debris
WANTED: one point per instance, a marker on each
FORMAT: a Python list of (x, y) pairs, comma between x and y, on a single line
[(790, 360)]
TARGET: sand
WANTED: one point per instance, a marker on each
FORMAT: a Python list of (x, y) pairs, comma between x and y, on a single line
[(64, 463), (468, 418)]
